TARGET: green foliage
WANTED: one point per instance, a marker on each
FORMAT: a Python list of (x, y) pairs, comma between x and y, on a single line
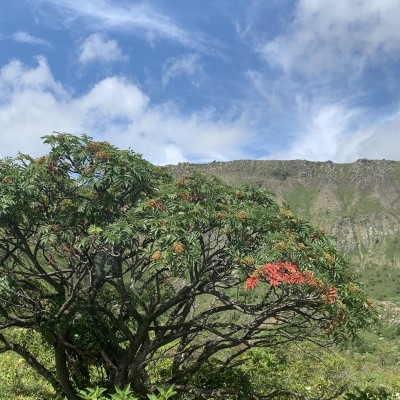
[(346, 196), (306, 369), (367, 204), (280, 173), (379, 393), (163, 394), (121, 270), (302, 198), (17, 378), (124, 394), (234, 379), (392, 248), (93, 393)]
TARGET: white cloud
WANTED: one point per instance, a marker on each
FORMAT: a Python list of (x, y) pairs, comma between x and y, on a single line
[(140, 17), (320, 131), (188, 64), (16, 78), (200, 136), (33, 104), (377, 141), (341, 133), (113, 97), (24, 37), (336, 36), (97, 47)]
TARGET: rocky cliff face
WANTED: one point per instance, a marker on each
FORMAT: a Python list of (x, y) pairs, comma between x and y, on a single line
[(357, 203)]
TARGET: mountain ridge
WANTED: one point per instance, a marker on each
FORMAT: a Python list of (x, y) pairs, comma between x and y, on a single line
[(358, 203)]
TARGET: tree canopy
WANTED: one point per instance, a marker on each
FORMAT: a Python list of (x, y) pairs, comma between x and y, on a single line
[(123, 269)]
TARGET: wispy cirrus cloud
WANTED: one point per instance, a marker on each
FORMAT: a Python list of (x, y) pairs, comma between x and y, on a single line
[(340, 132), (341, 36), (99, 48), (24, 37), (140, 17), (187, 64), (327, 83)]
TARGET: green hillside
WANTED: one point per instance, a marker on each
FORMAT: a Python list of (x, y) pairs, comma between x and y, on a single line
[(357, 203)]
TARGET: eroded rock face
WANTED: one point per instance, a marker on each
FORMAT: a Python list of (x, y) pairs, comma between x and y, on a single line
[(366, 230)]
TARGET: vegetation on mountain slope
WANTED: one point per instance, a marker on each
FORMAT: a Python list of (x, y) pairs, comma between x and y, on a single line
[(358, 204)]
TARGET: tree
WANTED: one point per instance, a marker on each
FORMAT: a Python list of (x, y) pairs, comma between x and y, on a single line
[(122, 269)]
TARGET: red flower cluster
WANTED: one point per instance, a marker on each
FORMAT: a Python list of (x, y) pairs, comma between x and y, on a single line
[(280, 272), (330, 294), (251, 283), (287, 273)]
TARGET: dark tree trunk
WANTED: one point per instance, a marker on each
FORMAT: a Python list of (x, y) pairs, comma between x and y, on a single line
[(62, 372)]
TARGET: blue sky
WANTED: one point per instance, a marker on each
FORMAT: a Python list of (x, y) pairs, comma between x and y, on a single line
[(204, 80)]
